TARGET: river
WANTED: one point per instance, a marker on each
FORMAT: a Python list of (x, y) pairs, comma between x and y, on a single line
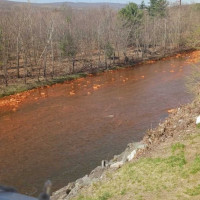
[(64, 131)]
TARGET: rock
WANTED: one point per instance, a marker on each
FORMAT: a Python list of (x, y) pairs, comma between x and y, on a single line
[(198, 120), (110, 116), (141, 146), (115, 158), (83, 181), (104, 163), (117, 164), (68, 191), (73, 188), (131, 155), (96, 173)]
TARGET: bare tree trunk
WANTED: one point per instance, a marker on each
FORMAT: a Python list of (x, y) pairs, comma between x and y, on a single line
[(73, 65), (5, 71), (52, 59), (18, 56), (105, 57), (25, 68), (114, 58), (45, 64)]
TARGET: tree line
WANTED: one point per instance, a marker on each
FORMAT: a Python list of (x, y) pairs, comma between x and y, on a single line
[(38, 43)]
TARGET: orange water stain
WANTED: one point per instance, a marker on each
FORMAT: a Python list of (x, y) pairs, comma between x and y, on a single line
[(171, 71), (150, 62), (142, 76), (80, 79), (172, 65), (13, 102), (71, 93), (170, 110), (178, 55), (96, 87), (194, 57)]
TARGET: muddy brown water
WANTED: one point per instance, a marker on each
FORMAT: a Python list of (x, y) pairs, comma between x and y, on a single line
[(63, 132)]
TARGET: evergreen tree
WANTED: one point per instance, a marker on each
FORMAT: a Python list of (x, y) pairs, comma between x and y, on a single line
[(132, 13), (158, 8), (68, 46)]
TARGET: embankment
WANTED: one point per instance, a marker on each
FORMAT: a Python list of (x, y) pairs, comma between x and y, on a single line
[(166, 162), (163, 162)]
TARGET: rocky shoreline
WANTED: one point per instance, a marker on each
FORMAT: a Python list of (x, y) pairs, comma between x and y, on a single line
[(181, 119), (72, 189)]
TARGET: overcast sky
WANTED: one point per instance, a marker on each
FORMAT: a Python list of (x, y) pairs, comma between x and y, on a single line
[(90, 1), (94, 1)]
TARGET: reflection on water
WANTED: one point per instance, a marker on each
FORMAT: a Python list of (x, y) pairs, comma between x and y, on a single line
[(64, 131)]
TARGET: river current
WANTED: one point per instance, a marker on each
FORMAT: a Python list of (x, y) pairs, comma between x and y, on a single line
[(64, 131)]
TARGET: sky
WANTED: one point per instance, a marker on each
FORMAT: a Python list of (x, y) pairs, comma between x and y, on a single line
[(90, 1), (94, 1)]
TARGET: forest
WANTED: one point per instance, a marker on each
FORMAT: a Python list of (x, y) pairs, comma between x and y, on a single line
[(39, 43)]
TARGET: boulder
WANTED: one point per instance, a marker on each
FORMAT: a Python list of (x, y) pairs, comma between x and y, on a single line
[(117, 164), (131, 155), (198, 120)]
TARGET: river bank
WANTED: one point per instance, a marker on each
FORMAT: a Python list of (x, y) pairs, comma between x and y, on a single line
[(22, 87), (64, 131), (166, 162)]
